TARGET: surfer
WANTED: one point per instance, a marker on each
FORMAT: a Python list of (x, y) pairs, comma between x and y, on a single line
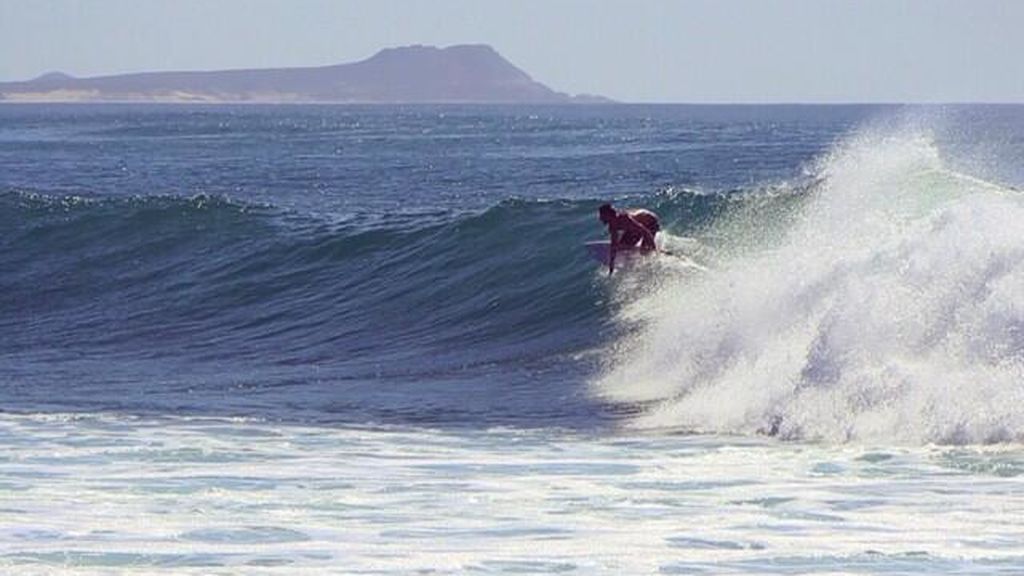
[(629, 229)]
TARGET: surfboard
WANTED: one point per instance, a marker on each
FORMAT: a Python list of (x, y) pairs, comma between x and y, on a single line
[(599, 250)]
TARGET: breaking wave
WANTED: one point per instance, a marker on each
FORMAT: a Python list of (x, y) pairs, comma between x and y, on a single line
[(890, 307)]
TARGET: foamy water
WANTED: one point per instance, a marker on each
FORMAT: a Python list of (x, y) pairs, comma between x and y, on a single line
[(104, 495), (892, 310)]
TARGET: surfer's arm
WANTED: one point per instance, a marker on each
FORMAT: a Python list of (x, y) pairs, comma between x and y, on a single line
[(611, 254), (613, 246)]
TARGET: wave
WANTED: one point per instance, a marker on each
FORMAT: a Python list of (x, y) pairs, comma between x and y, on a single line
[(209, 278), (878, 298), (888, 307)]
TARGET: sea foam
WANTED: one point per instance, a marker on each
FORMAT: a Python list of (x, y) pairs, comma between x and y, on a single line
[(891, 309)]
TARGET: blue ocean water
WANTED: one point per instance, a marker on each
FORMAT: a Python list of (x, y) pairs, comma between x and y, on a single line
[(367, 339)]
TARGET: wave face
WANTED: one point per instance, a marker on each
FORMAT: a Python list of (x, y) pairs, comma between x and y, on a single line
[(205, 275), (891, 308), (213, 286)]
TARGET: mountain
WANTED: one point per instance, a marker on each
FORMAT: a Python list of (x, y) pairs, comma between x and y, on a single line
[(464, 73)]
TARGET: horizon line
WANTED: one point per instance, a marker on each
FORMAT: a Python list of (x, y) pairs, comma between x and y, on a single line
[(512, 103)]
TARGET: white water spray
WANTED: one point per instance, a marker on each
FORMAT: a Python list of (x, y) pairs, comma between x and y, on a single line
[(892, 310)]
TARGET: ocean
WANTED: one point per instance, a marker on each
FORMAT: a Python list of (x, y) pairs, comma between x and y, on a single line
[(368, 340)]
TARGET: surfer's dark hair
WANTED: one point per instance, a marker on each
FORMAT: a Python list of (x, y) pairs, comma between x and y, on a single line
[(605, 208)]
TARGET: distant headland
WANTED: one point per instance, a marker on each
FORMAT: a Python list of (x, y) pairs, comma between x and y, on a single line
[(411, 74)]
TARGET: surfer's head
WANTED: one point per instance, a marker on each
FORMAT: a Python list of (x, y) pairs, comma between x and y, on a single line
[(606, 213)]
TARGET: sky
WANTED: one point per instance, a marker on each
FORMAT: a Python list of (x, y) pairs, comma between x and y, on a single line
[(743, 51)]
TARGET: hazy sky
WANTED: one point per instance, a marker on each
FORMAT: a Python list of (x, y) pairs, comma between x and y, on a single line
[(630, 50)]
